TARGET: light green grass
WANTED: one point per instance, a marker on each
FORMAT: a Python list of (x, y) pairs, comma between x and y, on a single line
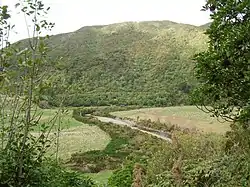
[(183, 116), (66, 120), (74, 136), (101, 177), (80, 139)]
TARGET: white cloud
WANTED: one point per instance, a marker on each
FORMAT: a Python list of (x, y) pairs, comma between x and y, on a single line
[(74, 14)]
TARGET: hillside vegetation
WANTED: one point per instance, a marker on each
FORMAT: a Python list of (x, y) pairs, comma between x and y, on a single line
[(145, 63)]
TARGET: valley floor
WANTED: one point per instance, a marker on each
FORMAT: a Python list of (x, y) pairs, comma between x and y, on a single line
[(80, 137), (185, 117)]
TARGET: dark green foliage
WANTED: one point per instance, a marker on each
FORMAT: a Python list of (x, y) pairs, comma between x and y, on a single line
[(46, 174), (222, 171), (182, 161), (223, 70), (223, 75), (51, 175), (145, 63), (81, 115), (122, 177)]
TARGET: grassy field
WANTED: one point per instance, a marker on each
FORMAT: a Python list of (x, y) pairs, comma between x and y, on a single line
[(80, 139), (185, 117), (101, 177), (66, 119), (75, 136)]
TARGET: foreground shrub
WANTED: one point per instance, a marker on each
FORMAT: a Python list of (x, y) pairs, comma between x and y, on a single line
[(122, 177), (51, 175), (182, 162)]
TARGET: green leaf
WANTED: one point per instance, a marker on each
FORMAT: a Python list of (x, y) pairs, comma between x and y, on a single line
[(17, 5), (32, 7), (37, 27)]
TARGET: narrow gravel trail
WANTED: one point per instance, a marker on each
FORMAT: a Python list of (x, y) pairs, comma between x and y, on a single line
[(133, 125)]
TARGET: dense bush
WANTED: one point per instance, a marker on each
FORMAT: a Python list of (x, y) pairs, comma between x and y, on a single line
[(220, 171), (182, 161), (145, 63), (122, 177), (51, 174), (120, 99)]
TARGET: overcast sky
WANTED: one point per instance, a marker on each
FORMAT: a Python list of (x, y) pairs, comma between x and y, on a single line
[(70, 15)]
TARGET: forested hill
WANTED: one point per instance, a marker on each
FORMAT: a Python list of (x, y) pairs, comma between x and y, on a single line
[(147, 63)]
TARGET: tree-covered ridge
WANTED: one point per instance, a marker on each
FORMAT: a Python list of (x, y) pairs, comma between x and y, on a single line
[(146, 63)]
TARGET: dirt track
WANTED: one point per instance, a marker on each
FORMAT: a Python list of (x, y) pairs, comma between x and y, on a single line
[(132, 125)]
